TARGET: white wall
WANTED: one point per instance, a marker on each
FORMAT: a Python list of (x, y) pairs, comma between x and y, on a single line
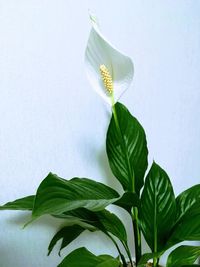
[(51, 120)]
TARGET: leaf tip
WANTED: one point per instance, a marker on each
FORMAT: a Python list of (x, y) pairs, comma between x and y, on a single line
[(29, 222)]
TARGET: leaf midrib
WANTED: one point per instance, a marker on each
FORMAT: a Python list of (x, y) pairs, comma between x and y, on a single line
[(124, 148), (155, 220)]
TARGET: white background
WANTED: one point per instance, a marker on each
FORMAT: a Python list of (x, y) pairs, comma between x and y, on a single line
[(52, 120)]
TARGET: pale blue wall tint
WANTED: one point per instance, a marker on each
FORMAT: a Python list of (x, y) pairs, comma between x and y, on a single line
[(51, 120)]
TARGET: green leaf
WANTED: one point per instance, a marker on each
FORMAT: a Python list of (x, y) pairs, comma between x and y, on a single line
[(104, 221), (188, 229), (25, 203), (127, 149), (187, 218), (109, 222), (67, 234), (128, 201), (158, 208), (56, 195), (191, 265), (188, 202), (84, 258), (183, 255)]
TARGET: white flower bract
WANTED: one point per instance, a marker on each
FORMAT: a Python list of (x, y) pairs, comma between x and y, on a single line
[(100, 52)]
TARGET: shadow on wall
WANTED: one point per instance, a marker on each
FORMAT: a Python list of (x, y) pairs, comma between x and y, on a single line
[(18, 243), (23, 217)]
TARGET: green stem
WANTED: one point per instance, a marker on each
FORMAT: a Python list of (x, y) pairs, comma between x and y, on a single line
[(135, 220), (128, 253), (137, 235), (155, 262), (155, 245), (118, 249)]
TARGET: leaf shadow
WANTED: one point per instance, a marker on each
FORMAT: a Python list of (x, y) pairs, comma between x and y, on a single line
[(20, 218)]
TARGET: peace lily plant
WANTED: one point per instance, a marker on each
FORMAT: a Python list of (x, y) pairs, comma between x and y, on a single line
[(80, 203)]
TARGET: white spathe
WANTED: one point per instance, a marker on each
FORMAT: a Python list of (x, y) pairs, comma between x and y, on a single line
[(99, 51)]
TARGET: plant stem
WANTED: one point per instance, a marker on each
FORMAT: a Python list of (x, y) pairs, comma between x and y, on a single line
[(128, 253), (118, 249), (155, 245), (155, 262), (135, 221), (137, 235)]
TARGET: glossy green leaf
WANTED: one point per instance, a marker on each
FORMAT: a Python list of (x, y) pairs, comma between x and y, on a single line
[(127, 149), (67, 234), (188, 202), (104, 221), (56, 195), (126, 201), (25, 203), (187, 229), (84, 258), (183, 255), (188, 217), (158, 208)]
